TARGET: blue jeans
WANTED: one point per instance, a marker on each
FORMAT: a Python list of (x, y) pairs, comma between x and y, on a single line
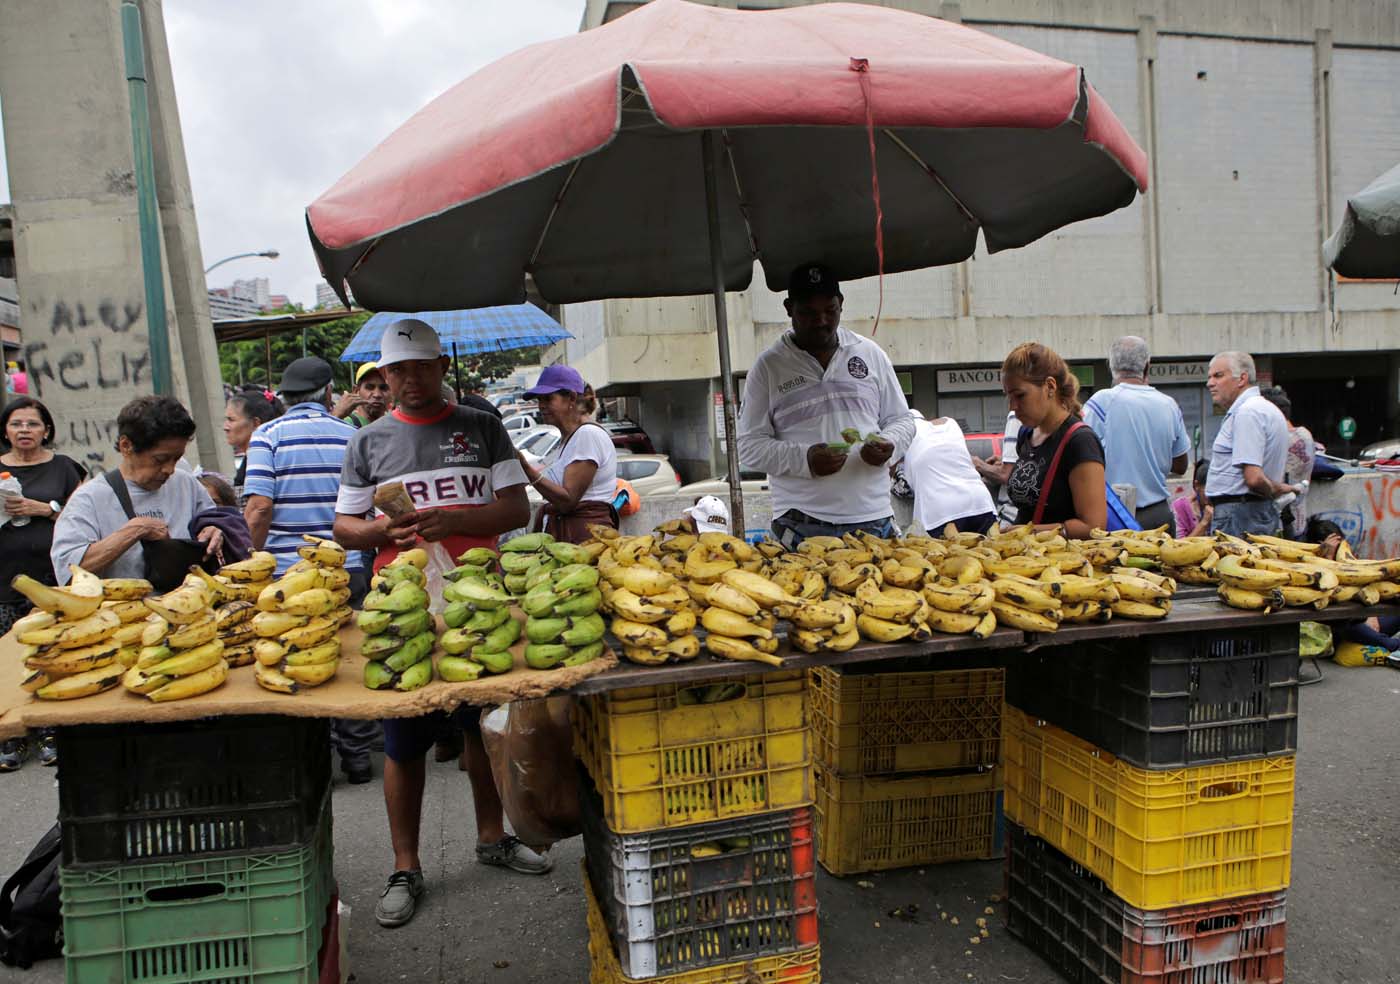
[(792, 527), (1250, 516)]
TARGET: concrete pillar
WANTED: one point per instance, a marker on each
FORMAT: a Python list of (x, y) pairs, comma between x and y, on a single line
[(77, 248)]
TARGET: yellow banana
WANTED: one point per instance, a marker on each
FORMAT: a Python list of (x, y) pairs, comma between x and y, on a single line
[(140, 681), (314, 632), (729, 648), (271, 678), (971, 599), (706, 564), (1020, 595), (269, 625), (327, 553), (40, 619), (1191, 575), (128, 611), (1024, 619), (312, 601), (961, 569), (731, 545), (1232, 571), (882, 630), (1186, 552), (83, 684), (259, 567), (722, 595), (56, 662), (1296, 597), (727, 623), (154, 631), (333, 579), (218, 590), (196, 633), (81, 597), (681, 624), (954, 623), (129, 634), (233, 613), (902, 575), (276, 594), (638, 633), (683, 648), (1262, 601), (128, 655), (813, 616), (269, 652), (808, 640), (320, 653), (645, 656), (637, 609), (192, 685), (644, 581), (1142, 610), (1074, 588), (1138, 589), (179, 607), (190, 660), (125, 588), (1085, 612), (759, 588), (843, 641), (239, 655)]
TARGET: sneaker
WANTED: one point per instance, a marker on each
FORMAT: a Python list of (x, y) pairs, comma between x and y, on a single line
[(48, 750), (357, 773), (399, 898), (1392, 659), (510, 853), (13, 753)]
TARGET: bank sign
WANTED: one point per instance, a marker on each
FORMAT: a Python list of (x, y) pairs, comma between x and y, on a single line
[(989, 378)]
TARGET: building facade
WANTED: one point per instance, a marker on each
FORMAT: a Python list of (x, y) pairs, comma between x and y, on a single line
[(1258, 120)]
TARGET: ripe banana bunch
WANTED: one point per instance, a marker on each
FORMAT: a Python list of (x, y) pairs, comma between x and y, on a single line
[(180, 653), (82, 596), (822, 626), (69, 655), (291, 633), (563, 625), (399, 631)]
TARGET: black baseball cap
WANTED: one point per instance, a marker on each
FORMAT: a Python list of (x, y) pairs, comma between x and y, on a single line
[(305, 374), (811, 279)]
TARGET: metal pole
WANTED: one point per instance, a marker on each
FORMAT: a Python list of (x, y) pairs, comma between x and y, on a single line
[(153, 270), (457, 371), (710, 150)]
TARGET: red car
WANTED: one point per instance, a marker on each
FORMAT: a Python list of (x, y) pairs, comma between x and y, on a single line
[(984, 446)]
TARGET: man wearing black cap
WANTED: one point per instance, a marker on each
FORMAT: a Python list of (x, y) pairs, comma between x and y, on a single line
[(809, 386), (293, 479)]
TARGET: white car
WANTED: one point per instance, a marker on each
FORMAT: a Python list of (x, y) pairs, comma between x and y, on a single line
[(539, 445), (518, 423), (748, 481), (650, 474)]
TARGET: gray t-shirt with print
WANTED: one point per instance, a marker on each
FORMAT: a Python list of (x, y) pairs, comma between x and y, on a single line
[(94, 512)]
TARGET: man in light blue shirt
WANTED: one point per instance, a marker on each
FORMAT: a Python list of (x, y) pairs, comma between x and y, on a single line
[(1249, 454), (1144, 438)]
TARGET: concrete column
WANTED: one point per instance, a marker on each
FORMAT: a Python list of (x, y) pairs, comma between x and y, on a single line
[(77, 248), (1147, 105), (1322, 99)]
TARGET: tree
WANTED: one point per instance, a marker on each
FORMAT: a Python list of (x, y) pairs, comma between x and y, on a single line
[(246, 362)]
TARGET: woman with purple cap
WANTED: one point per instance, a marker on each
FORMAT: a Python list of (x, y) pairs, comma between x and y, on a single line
[(579, 487)]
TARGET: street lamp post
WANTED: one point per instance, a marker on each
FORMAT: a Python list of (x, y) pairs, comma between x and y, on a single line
[(271, 254)]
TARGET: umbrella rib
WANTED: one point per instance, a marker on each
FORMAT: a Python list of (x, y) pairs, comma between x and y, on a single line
[(932, 174), (553, 211), (739, 190)]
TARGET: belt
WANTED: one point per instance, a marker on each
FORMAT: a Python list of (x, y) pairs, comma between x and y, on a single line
[(1223, 500)]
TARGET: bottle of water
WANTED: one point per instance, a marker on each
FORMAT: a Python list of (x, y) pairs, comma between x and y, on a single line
[(9, 485)]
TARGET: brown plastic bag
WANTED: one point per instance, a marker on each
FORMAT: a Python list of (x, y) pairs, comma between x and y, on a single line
[(530, 744)]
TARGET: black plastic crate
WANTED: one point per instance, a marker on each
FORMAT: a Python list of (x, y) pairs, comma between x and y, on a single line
[(158, 792), (672, 906), (1091, 936), (1166, 701)]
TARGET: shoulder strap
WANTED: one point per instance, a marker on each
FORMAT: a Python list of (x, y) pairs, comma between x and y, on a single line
[(1052, 470), (45, 852), (118, 484)]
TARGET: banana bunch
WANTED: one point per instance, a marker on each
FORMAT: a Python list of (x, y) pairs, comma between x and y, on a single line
[(181, 654), (890, 614), (820, 626), (400, 631), (563, 626), (70, 641), (741, 613), (654, 614), (241, 581), (1263, 573), (528, 560), (292, 631)]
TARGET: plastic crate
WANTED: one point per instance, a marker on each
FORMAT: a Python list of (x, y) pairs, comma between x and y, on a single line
[(799, 967), (669, 910), (660, 761), (156, 792), (1088, 934), (250, 919), (1171, 700), (874, 723), (875, 823), (1158, 839)]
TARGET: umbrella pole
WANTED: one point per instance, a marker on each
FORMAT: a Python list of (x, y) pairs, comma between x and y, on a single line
[(726, 372), (457, 371)]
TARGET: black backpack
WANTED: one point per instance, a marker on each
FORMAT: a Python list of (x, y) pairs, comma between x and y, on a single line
[(30, 925)]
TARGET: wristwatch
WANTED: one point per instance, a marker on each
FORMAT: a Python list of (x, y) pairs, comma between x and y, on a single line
[(55, 507)]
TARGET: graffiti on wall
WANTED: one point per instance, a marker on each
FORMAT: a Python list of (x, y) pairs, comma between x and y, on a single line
[(93, 359), (1366, 507)]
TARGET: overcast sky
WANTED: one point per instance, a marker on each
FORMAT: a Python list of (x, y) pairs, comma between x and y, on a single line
[(278, 99)]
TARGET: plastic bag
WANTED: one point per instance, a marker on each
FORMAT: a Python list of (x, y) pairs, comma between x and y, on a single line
[(1360, 654), (530, 744), (1314, 639)]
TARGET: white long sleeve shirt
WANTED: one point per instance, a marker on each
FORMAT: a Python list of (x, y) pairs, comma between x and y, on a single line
[(791, 403)]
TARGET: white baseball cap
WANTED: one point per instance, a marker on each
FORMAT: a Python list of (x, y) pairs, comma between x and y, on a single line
[(408, 340), (711, 515)]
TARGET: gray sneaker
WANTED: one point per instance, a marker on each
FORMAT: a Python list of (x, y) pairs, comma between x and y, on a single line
[(399, 898), (510, 853)]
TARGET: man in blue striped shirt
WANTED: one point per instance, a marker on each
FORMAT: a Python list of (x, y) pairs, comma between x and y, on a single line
[(292, 481)]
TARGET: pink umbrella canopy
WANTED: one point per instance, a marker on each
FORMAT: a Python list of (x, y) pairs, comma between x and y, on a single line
[(579, 161)]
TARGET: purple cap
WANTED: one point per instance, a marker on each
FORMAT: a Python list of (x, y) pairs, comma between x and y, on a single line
[(557, 378)]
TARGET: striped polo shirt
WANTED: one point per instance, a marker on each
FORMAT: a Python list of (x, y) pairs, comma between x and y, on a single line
[(296, 462)]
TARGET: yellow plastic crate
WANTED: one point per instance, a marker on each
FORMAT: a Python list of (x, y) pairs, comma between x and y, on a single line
[(875, 823), (802, 967), (661, 758), (1159, 839), (923, 721)]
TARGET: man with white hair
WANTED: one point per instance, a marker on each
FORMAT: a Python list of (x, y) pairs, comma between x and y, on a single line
[(1143, 434), (1249, 454)]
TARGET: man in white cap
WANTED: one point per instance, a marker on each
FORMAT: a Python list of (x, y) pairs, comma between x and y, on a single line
[(459, 467), (709, 515)]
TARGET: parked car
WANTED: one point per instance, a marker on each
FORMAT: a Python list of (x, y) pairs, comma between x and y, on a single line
[(627, 436), (539, 445), (1381, 450), (520, 422), (650, 474), (984, 446), (749, 481)]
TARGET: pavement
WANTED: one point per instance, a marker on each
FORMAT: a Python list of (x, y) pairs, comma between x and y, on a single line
[(479, 924)]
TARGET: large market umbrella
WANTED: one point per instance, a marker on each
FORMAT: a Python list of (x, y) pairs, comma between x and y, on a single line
[(466, 332), (582, 161), (1367, 243)]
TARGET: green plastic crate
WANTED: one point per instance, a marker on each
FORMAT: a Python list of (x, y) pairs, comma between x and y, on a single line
[(242, 919)]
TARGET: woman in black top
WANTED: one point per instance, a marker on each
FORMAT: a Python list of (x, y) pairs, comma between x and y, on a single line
[(1043, 394), (46, 481)]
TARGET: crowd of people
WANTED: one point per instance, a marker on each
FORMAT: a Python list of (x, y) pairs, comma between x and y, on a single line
[(310, 463)]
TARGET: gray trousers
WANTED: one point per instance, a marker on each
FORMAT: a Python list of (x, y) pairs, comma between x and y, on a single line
[(1250, 516), (352, 739), (1155, 515)]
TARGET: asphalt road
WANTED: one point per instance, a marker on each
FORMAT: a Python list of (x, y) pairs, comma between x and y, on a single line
[(480, 924)]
